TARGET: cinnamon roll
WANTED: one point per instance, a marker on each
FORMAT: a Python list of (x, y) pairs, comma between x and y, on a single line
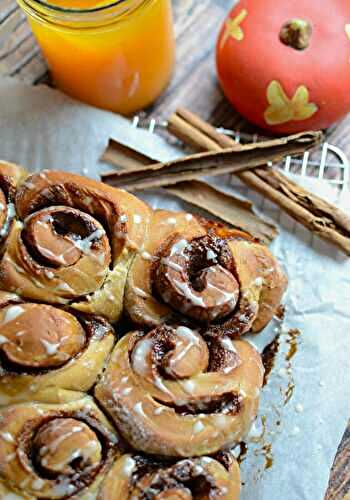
[(47, 353), (177, 392), (209, 274), (73, 242), (55, 451), (137, 477), (11, 176)]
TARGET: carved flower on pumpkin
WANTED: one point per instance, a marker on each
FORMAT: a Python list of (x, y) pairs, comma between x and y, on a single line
[(347, 30), (282, 109), (233, 28)]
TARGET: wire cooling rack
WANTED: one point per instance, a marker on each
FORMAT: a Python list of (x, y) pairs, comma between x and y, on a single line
[(331, 164)]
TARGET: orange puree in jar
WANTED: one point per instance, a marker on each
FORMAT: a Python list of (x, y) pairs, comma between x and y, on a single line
[(118, 56)]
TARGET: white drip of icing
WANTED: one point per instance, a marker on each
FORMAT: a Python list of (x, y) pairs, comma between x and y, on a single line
[(7, 436), (50, 348), (171, 220), (139, 356), (128, 466), (189, 294), (84, 245), (198, 427), (12, 313), (140, 293), (11, 212), (138, 409), (175, 267), (179, 247), (211, 255), (137, 219), (183, 335), (227, 343)]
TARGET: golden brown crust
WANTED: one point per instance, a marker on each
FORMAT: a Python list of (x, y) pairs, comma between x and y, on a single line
[(133, 477), (79, 252), (73, 242), (55, 451), (205, 272), (174, 392), (140, 303), (70, 450), (49, 354)]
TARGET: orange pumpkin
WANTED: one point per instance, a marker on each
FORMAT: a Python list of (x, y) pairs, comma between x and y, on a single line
[(285, 65)]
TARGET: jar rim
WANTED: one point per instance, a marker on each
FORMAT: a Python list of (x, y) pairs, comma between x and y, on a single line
[(67, 10)]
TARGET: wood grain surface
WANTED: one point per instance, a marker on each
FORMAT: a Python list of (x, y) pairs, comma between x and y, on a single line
[(194, 86)]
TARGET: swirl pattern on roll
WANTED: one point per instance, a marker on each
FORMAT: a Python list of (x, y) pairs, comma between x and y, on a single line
[(76, 254), (47, 353), (55, 451), (70, 450), (73, 242), (212, 275), (137, 477), (175, 392)]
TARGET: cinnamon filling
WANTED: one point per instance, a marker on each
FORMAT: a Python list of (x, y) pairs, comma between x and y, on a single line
[(227, 404), (59, 236), (66, 446), (180, 353), (185, 480), (197, 278)]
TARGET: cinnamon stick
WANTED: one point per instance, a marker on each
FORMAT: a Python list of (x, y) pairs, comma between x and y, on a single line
[(316, 214), (235, 211), (223, 161)]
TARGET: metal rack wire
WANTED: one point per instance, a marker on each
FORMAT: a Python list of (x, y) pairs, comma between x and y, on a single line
[(338, 168)]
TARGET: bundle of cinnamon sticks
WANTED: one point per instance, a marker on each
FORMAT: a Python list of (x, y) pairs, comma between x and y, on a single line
[(249, 162)]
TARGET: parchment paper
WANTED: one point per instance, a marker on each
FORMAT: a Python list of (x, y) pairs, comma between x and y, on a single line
[(292, 446)]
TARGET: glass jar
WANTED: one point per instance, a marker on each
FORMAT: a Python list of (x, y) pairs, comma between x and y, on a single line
[(117, 56)]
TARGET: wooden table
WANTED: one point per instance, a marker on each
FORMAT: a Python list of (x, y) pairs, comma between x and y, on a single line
[(194, 86)]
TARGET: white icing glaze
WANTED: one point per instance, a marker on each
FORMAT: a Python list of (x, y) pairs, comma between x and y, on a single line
[(198, 427), (84, 245), (140, 293), (227, 343), (176, 267), (7, 436), (38, 484), (171, 220), (128, 466), (137, 219), (180, 246), (140, 355), (138, 409), (211, 255), (185, 288), (189, 386), (50, 348), (12, 313)]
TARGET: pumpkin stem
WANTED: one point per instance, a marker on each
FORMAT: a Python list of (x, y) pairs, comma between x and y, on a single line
[(296, 33)]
